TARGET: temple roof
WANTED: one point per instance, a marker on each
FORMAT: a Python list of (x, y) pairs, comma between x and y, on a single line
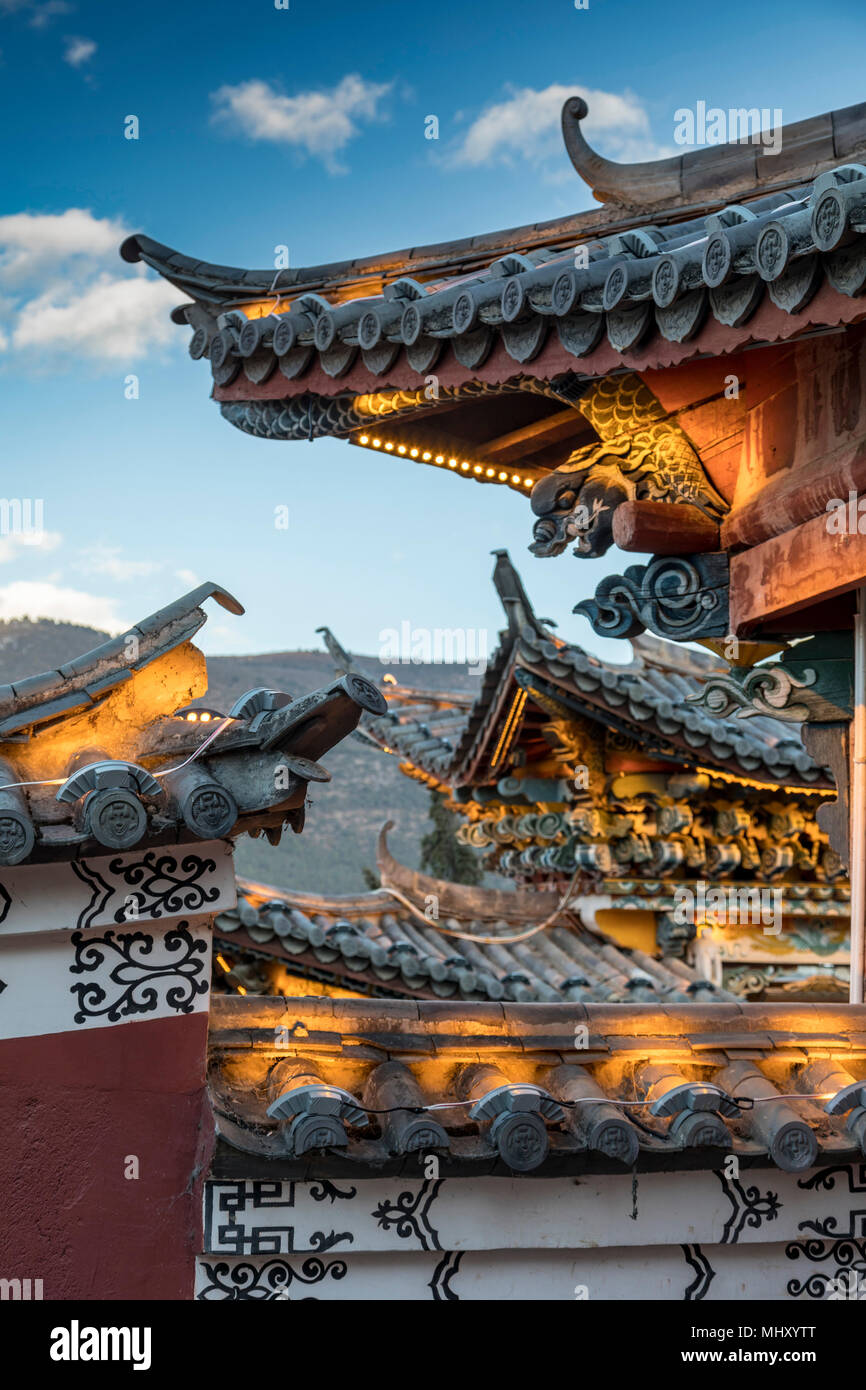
[(668, 269), (85, 681), (104, 752), (305, 1088), (382, 943), (672, 187), (646, 699)]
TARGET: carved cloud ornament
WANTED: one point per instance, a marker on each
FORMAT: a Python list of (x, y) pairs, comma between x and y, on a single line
[(683, 598), (770, 690)]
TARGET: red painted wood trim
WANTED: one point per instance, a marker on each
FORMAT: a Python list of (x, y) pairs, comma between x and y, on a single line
[(801, 567)]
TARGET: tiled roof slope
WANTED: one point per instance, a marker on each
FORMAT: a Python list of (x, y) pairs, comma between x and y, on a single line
[(646, 699), (310, 1088), (375, 943), (683, 258)]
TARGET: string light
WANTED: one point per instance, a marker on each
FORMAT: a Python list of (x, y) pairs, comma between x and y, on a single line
[(742, 1102), (480, 471), (160, 772), (198, 716), (489, 940)]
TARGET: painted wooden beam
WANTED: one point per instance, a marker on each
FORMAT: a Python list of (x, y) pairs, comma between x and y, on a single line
[(663, 528), (804, 566), (550, 429)]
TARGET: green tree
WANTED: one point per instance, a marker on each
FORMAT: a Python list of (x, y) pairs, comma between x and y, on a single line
[(442, 854)]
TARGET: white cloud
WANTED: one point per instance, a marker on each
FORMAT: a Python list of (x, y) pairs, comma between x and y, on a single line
[(42, 599), (60, 296), (32, 244), (318, 123), (104, 559), (188, 577), (111, 318), (78, 52), (12, 545), (526, 124)]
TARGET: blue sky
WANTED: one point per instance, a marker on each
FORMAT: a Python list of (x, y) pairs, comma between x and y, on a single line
[(305, 127)]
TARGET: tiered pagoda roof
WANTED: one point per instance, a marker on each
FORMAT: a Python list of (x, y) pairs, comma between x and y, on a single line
[(614, 785), (646, 700)]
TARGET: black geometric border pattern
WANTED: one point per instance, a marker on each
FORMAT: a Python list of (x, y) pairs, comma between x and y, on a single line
[(703, 1271), (440, 1284), (226, 1231)]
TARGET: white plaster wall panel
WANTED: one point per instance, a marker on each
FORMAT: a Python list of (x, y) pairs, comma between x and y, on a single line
[(171, 881), (799, 1272), (391, 1214), (65, 981)]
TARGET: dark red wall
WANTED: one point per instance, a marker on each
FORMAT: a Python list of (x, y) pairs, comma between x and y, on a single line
[(72, 1106)]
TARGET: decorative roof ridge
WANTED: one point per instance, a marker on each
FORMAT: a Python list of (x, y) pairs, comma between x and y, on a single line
[(263, 895), (142, 643), (344, 662), (691, 182), (763, 1027), (440, 260), (514, 598), (716, 171), (459, 900)]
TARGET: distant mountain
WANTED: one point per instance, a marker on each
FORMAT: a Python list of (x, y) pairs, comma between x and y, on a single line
[(345, 816), (367, 787), (28, 649)]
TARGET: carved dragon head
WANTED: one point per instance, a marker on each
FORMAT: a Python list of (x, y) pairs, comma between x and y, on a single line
[(642, 453), (577, 504)]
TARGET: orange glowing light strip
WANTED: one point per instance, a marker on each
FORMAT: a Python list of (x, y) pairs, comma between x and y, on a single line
[(764, 786), (510, 727), (478, 472)]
